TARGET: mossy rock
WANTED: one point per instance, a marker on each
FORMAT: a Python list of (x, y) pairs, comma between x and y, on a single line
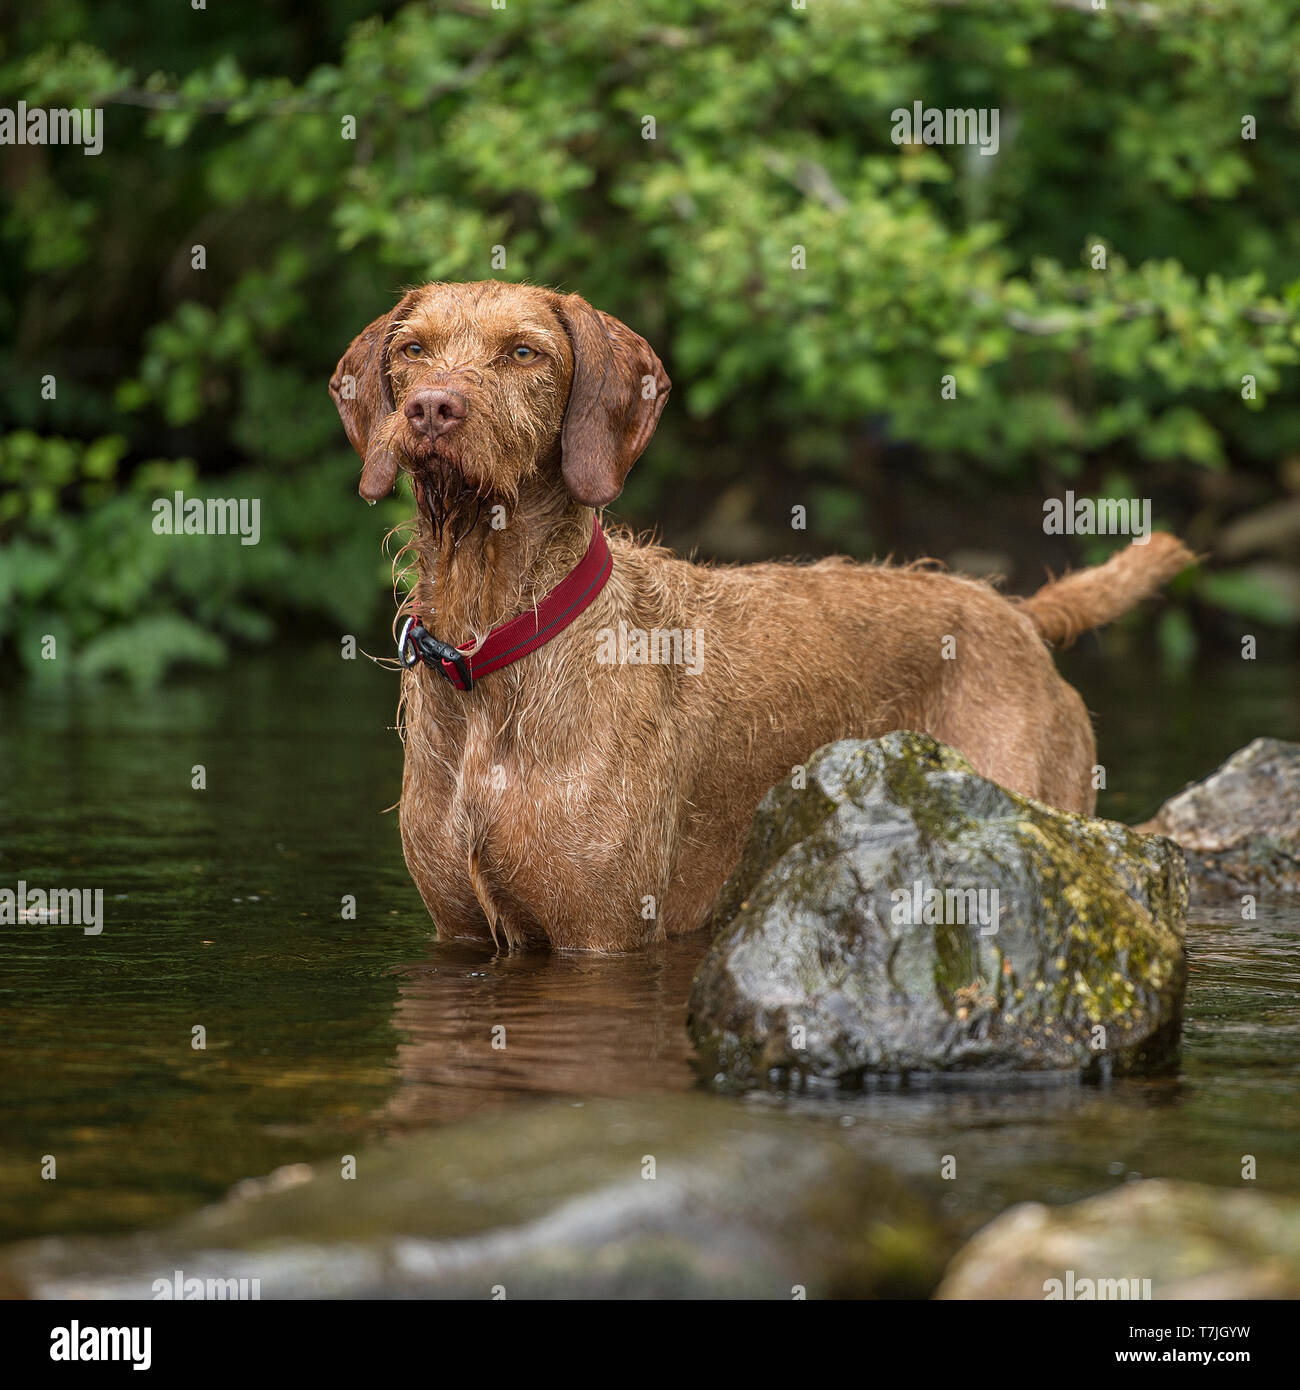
[(1149, 1239), (670, 1197), (900, 914)]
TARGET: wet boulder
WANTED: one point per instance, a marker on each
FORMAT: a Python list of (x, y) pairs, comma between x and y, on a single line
[(896, 913), (670, 1197), (1240, 827), (1148, 1239)]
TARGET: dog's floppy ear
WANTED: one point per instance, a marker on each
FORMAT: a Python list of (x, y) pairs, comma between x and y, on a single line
[(364, 395), (618, 393)]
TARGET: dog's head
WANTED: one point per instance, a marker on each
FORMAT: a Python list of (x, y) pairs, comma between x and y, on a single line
[(475, 387)]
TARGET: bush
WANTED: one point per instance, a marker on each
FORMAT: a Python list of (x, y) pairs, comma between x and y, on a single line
[(331, 159)]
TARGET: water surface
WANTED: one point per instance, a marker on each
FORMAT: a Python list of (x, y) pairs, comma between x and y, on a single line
[(224, 910)]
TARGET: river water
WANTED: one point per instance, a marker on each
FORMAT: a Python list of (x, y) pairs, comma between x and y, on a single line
[(224, 911)]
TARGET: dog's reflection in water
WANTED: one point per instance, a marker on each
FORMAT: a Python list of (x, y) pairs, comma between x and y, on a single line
[(478, 1030)]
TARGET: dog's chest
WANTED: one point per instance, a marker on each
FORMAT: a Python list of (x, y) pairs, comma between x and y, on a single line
[(457, 785), (475, 809)]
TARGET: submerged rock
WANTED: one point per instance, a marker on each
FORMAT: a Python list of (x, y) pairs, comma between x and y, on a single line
[(1148, 1239), (1240, 827), (677, 1197), (902, 914)]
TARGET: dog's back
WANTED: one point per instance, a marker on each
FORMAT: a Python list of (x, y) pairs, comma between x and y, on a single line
[(789, 656)]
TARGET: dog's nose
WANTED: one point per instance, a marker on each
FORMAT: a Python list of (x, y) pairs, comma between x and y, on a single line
[(432, 413)]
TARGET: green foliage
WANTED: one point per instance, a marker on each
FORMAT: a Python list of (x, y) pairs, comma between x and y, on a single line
[(524, 128), (120, 599)]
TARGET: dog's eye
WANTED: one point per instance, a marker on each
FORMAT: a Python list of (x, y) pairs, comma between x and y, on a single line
[(523, 353), (412, 350)]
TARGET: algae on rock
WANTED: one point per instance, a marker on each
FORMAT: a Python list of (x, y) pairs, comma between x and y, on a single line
[(1045, 941)]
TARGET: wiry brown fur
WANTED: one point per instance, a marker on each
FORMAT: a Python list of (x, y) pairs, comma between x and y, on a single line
[(601, 806), (1088, 598)]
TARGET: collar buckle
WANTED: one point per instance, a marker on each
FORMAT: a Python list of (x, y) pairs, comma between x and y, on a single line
[(520, 635), (418, 644)]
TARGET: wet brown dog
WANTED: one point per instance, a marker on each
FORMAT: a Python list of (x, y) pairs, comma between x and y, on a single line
[(589, 802)]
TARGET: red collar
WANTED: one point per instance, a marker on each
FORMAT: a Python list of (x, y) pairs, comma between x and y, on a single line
[(521, 635)]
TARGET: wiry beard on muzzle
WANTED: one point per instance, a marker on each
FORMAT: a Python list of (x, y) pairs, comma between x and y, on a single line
[(446, 497)]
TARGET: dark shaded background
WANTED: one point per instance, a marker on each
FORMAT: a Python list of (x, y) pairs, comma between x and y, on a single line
[(524, 129)]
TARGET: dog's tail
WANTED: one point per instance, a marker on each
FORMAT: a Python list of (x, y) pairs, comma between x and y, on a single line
[(1088, 598)]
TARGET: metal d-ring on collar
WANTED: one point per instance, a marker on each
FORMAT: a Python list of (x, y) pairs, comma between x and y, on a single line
[(514, 639), (417, 644)]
